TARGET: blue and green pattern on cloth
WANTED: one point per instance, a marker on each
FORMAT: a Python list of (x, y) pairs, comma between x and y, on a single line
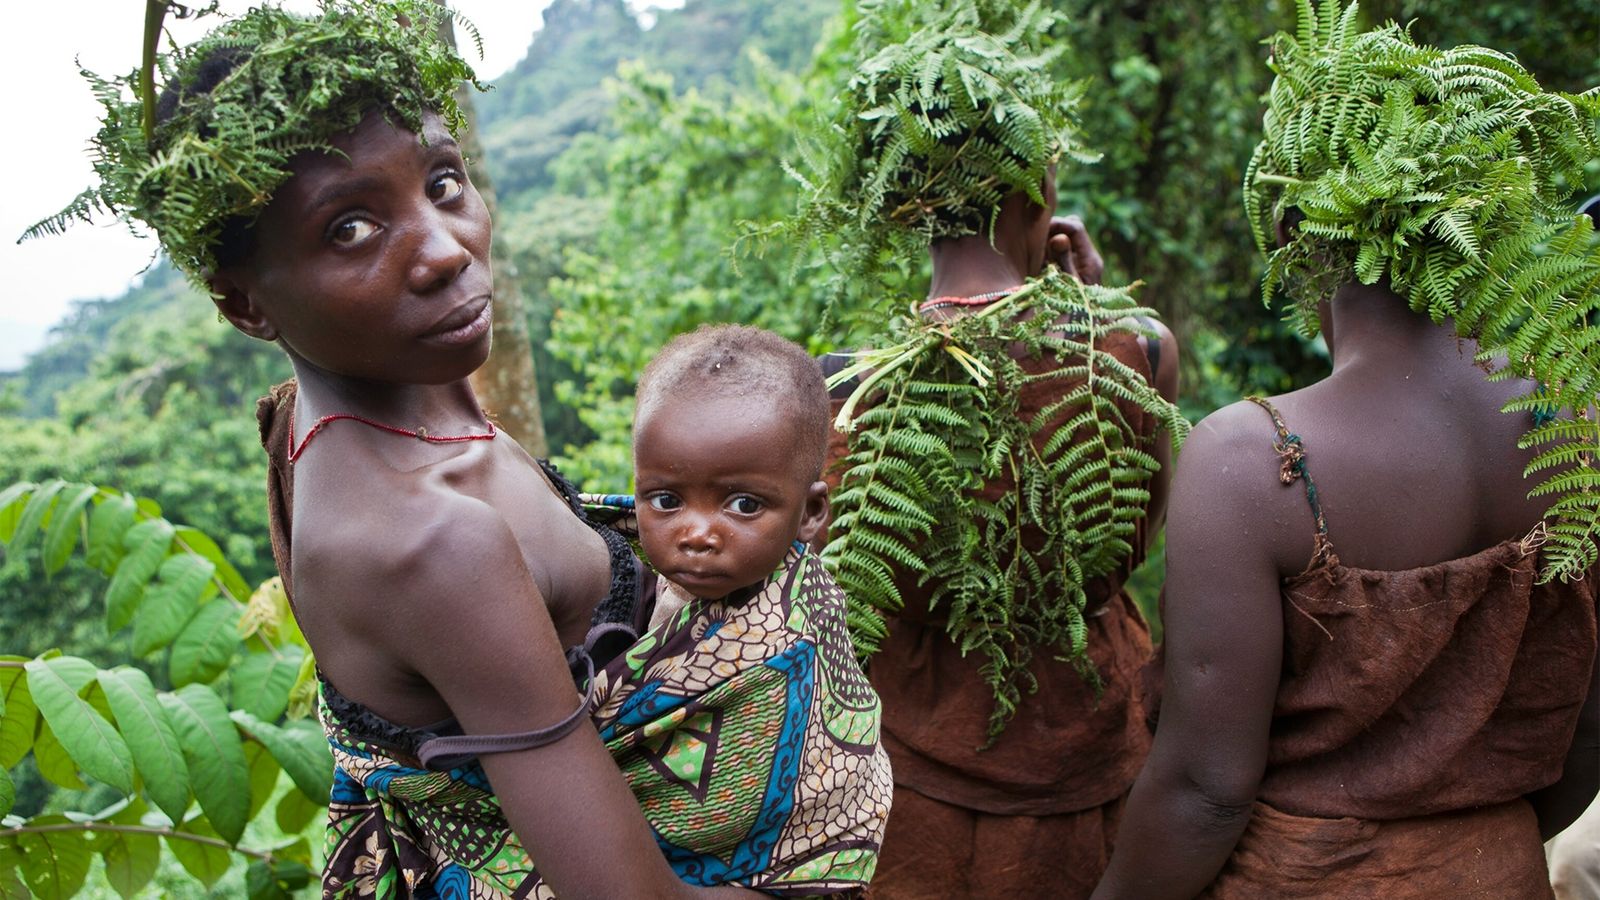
[(747, 732)]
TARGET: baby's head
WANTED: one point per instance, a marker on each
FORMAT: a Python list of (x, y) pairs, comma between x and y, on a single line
[(729, 437)]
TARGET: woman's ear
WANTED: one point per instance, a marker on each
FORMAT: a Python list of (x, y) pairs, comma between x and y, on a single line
[(232, 297), (815, 517)]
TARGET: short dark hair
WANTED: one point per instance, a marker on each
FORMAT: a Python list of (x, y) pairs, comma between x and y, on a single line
[(744, 361)]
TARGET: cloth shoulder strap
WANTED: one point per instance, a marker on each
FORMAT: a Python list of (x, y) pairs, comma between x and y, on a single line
[(1291, 466)]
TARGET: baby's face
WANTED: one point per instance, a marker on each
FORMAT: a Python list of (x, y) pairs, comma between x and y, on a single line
[(722, 491)]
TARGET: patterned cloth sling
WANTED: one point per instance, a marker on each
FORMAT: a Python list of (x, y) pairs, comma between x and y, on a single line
[(747, 732)]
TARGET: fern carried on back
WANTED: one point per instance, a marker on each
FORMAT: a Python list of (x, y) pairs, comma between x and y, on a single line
[(1447, 173), (940, 424)]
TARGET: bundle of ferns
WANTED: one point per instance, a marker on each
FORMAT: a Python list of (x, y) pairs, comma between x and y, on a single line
[(1449, 174), (935, 421), (221, 154)]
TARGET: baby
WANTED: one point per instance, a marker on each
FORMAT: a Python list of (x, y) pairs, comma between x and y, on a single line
[(729, 437), (741, 718)]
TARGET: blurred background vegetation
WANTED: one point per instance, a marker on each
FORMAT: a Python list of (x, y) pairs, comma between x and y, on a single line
[(629, 152)]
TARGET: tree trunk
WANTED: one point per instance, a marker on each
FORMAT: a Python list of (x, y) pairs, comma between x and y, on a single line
[(506, 384)]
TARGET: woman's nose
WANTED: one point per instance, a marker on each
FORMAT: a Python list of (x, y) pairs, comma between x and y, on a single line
[(440, 257)]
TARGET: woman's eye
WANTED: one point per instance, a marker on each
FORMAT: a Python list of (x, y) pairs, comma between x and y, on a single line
[(352, 231), (745, 506), (663, 502), (446, 187)]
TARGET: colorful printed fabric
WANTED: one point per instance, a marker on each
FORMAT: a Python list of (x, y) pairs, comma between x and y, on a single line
[(747, 732)]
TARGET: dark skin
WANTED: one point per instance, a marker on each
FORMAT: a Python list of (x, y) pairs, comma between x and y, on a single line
[(1405, 430), (1027, 237), (433, 580)]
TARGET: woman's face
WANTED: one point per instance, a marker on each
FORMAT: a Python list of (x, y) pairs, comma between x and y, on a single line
[(373, 265)]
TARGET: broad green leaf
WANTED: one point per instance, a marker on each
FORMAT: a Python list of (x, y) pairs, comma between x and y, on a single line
[(273, 881), (300, 747), (303, 696), (11, 887), (20, 717), (53, 762), (151, 738), (146, 544), (66, 523), (182, 585), (211, 746), (260, 884), (33, 513), (8, 793), (204, 859), (295, 811), (91, 741), (11, 503), (130, 859), (110, 520), (263, 775), (55, 863), (149, 508), (206, 645), (201, 544), (262, 681)]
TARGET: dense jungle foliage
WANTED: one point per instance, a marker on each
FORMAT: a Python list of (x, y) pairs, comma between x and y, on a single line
[(629, 162)]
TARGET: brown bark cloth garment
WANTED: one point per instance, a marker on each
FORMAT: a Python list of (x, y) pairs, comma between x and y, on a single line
[(1417, 708), (1033, 815)]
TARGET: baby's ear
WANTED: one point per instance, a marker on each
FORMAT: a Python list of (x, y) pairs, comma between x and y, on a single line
[(815, 517)]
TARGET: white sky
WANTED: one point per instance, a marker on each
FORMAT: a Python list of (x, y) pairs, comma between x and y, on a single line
[(52, 118)]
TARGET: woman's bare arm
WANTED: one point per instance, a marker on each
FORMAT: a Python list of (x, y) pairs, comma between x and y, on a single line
[(1224, 636), (472, 623)]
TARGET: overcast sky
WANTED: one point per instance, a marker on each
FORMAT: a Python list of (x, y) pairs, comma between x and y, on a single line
[(53, 117)]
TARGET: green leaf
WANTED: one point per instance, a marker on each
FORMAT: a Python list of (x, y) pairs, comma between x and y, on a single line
[(20, 717), (300, 747), (8, 794), (55, 863), (263, 776), (65, 525), (295, 811), (11, 887), (91, 741), (151, 738), (33, 513), (12, 499), (206, 645), (201, 544), (182, 585), (147, 544), (131, 859), (277, 879), (53, 762), (203, 860), (260, 884), (262, 681), (211, 747), (108, 523)]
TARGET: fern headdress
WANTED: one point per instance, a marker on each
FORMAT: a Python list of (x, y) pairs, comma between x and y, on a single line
[(943, 120), (951, 109), (1449, 173), (296, 82)]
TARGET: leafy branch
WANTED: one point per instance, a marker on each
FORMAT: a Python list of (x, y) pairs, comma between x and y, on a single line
[(207, 763)]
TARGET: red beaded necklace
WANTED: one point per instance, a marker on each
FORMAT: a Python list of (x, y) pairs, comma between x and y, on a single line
[(934, 303), (420, 433)]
